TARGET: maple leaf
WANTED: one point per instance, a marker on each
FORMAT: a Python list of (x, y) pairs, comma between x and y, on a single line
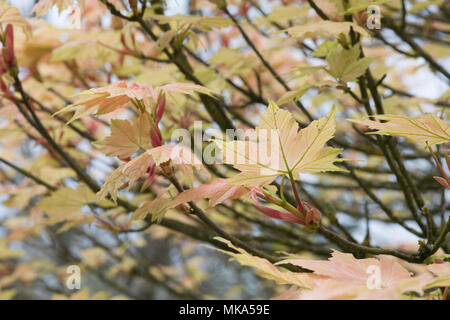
[(84, 49), (43, 6), (156, 207), (344, 277), (126, 138), (65, 205), (201, 23), (346, 65), (106, 99), (20, 198), (428, 128), (265, 268), (325, 28), (118, 95), (218, 191), (344, 266), (136, 168), (185, 88), (283, 149), (12, 15)]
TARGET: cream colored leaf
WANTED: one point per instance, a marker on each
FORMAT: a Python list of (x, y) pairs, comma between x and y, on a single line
[(218, 191), (325, 29), (281, 149), (118, 95), (351, 271), (138, 166), (126, 138), (204, 24), (65, 205), (43, 6), (12, 15), (265, 268), (428, 129)]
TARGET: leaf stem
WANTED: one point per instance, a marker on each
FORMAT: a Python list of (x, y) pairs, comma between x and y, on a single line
[(297, 197), (438, 163)]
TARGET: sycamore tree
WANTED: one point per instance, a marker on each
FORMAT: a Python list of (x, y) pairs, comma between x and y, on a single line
[(140, 149)]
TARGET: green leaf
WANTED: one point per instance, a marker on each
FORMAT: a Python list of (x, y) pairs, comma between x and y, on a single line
[(325, 48), (345, 65), (293, 95)]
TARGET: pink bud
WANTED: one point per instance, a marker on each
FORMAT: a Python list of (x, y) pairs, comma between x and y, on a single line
[(160, 107), (257, 193), (3, 66), (151, 176), (442, 182), (155, 136), (8, 50), (312, 214), (273, 213)]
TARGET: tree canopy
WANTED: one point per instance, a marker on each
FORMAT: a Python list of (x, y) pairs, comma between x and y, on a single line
[(143, 144)]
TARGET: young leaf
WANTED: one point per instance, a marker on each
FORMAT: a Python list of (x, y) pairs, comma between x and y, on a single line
[(282, 149), (428, 128), (65, 205), (118, 95), (43, 6), (107, 99), (218, 191), (137, 167), (324, 29), (126, 138), (346, 65), (156, 207), (265, 268), (344, 267), (12, 15), (204, 24)]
